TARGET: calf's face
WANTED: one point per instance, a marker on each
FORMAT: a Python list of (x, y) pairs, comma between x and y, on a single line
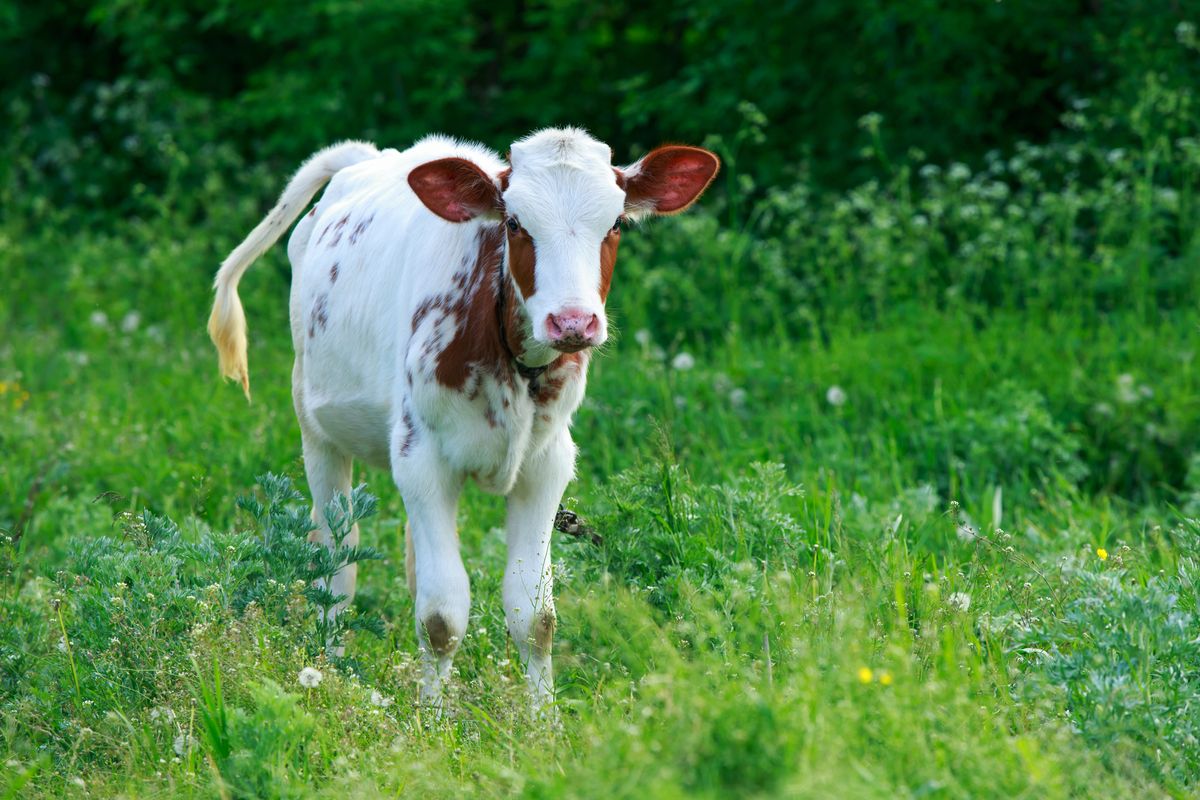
[(563, 204)]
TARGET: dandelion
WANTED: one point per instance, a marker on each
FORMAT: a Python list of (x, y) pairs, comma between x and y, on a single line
[(130, 322), (1102, 554), (885, 678), (835, 396), (310, 677), (183, 743), (683, 362), (737, 398), (865, 675), (98, 319), (960, 601), (377, 699)]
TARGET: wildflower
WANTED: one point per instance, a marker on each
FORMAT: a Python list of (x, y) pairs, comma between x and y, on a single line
[(737, 398), (870, 122), (958, 171), (98, 319), (62, 644), (183, 742), (377, 699), (642, 337), (310, 677), (78, 781), (885, 678), (865, 675), (683, 362), (1126, 391), (130, 322), (960, 601), (1185, 33), (1102, 554), (835, 396)]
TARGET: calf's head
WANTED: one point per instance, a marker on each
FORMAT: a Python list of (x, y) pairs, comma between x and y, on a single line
[(562, 205)]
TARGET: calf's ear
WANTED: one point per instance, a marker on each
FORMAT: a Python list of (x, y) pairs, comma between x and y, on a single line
[(456, 189), (667, 180)]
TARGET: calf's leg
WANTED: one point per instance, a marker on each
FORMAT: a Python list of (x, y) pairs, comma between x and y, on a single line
[(329, 472), (441, 589), (528, 582)]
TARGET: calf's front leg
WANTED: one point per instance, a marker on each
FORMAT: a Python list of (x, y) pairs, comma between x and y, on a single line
[(528, 581), (438, 580)]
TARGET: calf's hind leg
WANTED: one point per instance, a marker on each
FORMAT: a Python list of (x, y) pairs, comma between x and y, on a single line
[(329, 472)]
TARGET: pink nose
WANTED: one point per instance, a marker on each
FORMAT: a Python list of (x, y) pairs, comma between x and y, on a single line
[(573, 329)]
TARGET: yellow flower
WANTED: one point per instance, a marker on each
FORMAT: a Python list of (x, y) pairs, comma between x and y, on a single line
[(1102, 553), (885, 678), (865, 675)]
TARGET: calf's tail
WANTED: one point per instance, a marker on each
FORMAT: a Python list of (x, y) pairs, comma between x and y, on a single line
[(227, 323)]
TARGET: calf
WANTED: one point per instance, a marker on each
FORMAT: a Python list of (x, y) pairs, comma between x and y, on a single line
[(443, 307)]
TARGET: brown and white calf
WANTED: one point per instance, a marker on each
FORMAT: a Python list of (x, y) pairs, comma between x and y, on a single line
[(443, 306)]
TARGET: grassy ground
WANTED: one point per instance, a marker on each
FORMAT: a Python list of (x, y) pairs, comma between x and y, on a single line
[(898, 533)]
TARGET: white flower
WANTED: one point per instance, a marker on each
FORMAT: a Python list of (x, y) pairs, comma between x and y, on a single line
[(62, 644), (737, 398), (1185, 33), (378, 699), (130, 322), (98, 319), (642, 337), (1126, 391), (310, 677), (959, 601), (835, 396), (959, 171), (183, 742), (78, 781), (683, 362)]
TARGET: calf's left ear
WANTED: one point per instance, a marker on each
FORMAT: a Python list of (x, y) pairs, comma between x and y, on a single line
[(456, 189), (667, 180)]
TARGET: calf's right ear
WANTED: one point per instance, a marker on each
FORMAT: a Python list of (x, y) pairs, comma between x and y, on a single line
[(456, 189)]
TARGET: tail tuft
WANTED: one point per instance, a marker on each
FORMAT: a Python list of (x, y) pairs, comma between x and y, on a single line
[(227, 323)]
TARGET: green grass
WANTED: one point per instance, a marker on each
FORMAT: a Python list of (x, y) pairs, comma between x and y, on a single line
[(898, 595)]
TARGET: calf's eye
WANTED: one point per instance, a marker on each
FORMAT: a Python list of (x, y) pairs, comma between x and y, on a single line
[(513, 225), (617, 225)]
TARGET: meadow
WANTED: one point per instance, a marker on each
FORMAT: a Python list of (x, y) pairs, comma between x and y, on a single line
[(896, 487)]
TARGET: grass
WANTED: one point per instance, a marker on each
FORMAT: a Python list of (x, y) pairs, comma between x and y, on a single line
[(891, 535)]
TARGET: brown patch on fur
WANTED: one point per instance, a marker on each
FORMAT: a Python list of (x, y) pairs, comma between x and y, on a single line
[(490, 415), (543, 630), (359, 228), (410, 434), (337, 231), (522, 260), (319, 318), (608, 261), (477, 343), (333, 273), (437, 633), (562, 369)]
